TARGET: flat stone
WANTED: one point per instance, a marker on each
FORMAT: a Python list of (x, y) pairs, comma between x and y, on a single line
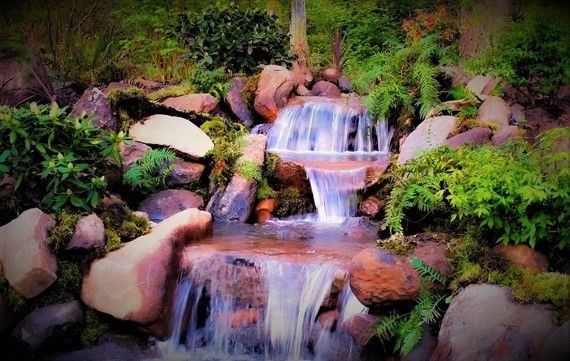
[(199, 103), (174, 132), (430, 134), (164, 204)]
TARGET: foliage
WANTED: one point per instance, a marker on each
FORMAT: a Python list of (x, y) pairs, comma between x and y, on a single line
[(249, 170), (228, 147), (61, 234), (234, 38), (534, 52), (149, 173), (62, 159), (406, 330), (515, 193), (213, 81), (425, 23), (177, 90)]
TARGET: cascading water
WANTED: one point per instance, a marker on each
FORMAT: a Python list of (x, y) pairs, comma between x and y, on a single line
[(335, 142)]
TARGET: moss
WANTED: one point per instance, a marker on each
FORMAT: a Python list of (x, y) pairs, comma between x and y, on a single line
[(397, 244), (172, 91), (466, 274), (16, 301), (94, 328), (118, 94), (122, 225), (248, 91), (271, 161), (132, 227), (249, 170), (66, 287), (264, 191), (60, 235), (548, 287), (113, 241), (290, 202)]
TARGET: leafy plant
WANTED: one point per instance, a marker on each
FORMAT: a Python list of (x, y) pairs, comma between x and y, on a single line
[(514, 193), (234, 38), (149, 173), (56, 161), (215, 82)]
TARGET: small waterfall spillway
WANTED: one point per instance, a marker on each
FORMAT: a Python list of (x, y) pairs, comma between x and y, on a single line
[(335, 142)]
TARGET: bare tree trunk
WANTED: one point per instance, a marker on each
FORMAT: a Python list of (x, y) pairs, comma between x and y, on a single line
[(299, 44)]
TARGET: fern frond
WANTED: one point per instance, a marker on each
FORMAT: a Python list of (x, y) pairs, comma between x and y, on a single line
[(410, 340), (427, 273), (387, 327)]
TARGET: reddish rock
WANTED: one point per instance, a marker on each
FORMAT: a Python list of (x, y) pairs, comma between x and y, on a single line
[(244, 317), (483, 323), (27, 263), (328, 319), (235, 101), (302, 90), (482, 85), (331, 75), (164, 204), (360, 327), (290, 174), (325, 89), (184, 172), (517, 113), (495, 110), (284, 93), (434, 254), (148, 85), (199, 103), (94, 102), (506, 134), (265, 209), (130, 283), (89, 233), (131, 152), (475, 136), (370, 207), (270, 80), (345, 84), (524, 256), (377, 278), (431, 133)]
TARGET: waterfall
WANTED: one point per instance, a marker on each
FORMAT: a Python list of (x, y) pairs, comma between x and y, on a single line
[(336, 143), (287, 329)]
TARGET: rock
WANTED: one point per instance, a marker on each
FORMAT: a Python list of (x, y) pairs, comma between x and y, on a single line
[(474, 136), (370, 207), (302, 90), (131, 152), (130, 283), (265, 209), (164, 204), (331, 75), (435, 255), (360, 327), (325, 89), (284, 93), (111, 201), (184, 172), (523, 256), (482, 85), (94, 102), (506, 134), (290, 174), (270, 80), (262, 129), (174, 132), (328, 319), (6, 316), (517, 113), (236, 202), (89, 233), (378, 278), (244, 317), (483, 323), (431, 133), (345, 84), (49, 324), (148, 85), (27, 262), (108, 350), (455, 74), (199, 103), (237, 105), (556, 347), (496, 110)]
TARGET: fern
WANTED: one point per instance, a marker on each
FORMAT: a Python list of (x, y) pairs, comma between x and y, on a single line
[(149, 173), (388, 327), (427, 273)]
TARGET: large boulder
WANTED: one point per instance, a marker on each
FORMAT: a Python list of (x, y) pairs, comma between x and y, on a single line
[(288, 173), (483, 323), (434, 254), (556, 347), (378, 278), (199, 103), (184, 172), (130, 283), (268, 93), (174, 132), (431, 133), (482, 85), (236, 202), (360, 327), (496, 110), (164, 204), (325, 89), (237, 105), (26, 261), (89, 233), (474, 136), (345, 84), (506, 134), (49, 324), (131, 152), (523, 256), (94, 102)]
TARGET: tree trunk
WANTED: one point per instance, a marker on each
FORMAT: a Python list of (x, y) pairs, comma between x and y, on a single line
[(299, 45)]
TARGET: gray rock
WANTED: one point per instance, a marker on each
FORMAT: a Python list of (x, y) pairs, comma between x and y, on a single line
[(325, 89), (482, 85), (431, 133), (237, 105), (94, 102), (49, 324), (162, 205), (505, 134), (495, 109), (131, 152), (184, 172), (475, 136), (89, 233), (345, 84)]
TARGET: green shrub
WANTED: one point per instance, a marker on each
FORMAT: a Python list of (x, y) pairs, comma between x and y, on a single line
[(56, 161), (213, 81), (514, 193), (149, 173), (234, 38)]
